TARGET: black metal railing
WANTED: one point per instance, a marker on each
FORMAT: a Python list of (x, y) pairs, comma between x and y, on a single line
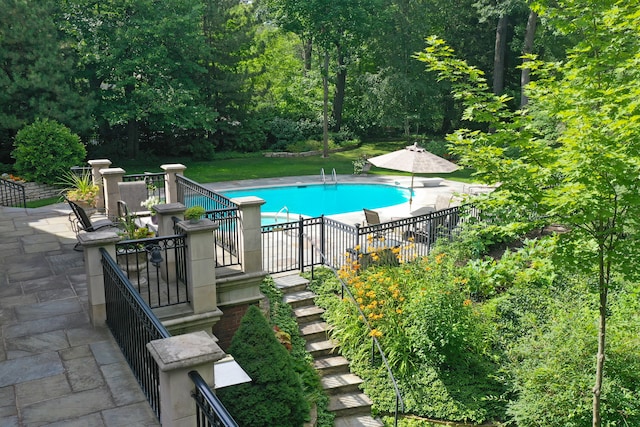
[(295, 245), (210, 412), (12, 194), (157, 268), (219, 209), (154, 181), (133, 325)]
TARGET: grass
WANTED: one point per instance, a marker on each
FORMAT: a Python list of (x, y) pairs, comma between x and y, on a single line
[(43, 202), (256, 165)]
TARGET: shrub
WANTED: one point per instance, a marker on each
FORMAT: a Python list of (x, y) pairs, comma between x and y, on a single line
[(45, 149), (275, 396)]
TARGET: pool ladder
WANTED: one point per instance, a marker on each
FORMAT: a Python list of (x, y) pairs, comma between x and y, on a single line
[(285, 209), (334, 177)]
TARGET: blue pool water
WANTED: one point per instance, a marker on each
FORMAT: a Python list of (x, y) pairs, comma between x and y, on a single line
[(329, 199)]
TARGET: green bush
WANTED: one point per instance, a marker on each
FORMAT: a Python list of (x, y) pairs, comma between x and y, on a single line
[(45, 149), (275, 396)]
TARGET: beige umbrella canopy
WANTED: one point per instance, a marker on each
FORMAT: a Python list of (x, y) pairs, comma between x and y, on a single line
[(414, 159)]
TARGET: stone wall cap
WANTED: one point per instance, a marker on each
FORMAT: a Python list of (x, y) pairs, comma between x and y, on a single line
[(98, 238), (248, 201), (112, 171), (169, 208), (173, 167), (185, 351), (205, 224), (98, 162)]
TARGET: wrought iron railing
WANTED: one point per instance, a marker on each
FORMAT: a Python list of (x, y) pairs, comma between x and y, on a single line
[(157, 268), (220, 209), (154, 181), (210, 411), (12, 194), (133, 325), (296, 245)]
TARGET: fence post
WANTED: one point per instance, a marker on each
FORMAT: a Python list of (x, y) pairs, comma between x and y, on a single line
[(170, 186), (111, 177), (165, 213), (91, 243), (96, 165), (250, 233), (176, 357), (201, 265)]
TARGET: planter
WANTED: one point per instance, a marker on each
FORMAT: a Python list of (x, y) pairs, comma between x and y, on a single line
[(134, 263)]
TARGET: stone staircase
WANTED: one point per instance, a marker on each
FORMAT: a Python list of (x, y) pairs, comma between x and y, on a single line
[(351, 407)]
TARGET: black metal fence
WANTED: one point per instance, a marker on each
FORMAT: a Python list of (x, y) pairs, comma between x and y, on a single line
[(157, 268), (219, 209), (154, 181), (298, 245), (133, 325), (12, 194), (210, 411)]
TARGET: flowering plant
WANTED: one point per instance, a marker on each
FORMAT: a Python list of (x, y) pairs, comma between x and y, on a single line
[(151, 202)]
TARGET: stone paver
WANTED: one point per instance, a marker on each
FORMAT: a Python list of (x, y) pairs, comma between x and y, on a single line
[(55, 368)]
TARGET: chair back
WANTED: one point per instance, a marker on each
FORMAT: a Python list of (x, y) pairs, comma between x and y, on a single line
[(132, 193), (81, 215), (372, 217)]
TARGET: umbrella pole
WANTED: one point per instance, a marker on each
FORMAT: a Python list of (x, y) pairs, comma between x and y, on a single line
[(411, 193)]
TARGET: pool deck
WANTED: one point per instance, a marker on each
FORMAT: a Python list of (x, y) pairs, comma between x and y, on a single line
[(423, 196)]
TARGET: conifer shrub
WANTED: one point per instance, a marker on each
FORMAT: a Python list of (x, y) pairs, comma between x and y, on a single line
[(45, 150), (275, 396)]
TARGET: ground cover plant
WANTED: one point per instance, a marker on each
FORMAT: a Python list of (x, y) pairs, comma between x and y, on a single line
[(476, 338)]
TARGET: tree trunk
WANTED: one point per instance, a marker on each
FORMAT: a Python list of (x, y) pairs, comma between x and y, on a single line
[(603, 287), (325, 111), (307, 50), (499, 55), (132, 139), (338, 99), (525, 77)]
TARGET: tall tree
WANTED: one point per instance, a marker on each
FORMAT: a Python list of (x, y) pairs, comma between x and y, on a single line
[(36, 72), (572, 158), (142, 58)]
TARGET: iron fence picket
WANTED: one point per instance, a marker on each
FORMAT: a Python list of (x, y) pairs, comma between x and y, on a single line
[(169, 285), (210, 412), (12, 194), (133, 325)]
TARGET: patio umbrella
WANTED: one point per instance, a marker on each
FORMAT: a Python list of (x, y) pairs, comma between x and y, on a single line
[(414, 159)]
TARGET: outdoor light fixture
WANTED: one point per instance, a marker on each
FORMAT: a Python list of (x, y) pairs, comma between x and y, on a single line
[(156, 254)]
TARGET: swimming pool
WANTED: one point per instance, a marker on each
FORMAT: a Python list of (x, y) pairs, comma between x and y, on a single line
[(329, 199)]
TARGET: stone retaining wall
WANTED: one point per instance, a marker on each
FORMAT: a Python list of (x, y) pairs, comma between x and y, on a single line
[(35, 191)]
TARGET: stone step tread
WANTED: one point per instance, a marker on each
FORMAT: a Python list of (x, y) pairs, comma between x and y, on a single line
[(357, 421), (335, 381), (329, 362), (290, 281), (342, 402), (322, 346), (313, 328), (299, 296), (306, 311)]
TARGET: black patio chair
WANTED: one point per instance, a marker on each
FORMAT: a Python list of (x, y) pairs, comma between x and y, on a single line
[(82, 222)]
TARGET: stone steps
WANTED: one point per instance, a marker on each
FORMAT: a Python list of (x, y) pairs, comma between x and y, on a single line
[(351, 407)]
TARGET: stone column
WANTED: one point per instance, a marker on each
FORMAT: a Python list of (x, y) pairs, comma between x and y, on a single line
[(164, 213), (176, 357), (91, 243), (250, 234), (201, 264), (170, 186), (111, 178), (96, 165)]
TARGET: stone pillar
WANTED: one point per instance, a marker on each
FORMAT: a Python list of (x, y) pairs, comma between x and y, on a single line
[(111, 177), (201, 264), (164, 214), (96, 165), (176, 357), (250, 235), (91, 243), (170, 186)]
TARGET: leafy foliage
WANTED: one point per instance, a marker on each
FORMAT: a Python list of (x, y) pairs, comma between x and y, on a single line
[(275, 395), (45, 150)]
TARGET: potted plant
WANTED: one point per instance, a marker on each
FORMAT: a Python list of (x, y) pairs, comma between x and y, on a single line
[(81, 189), (194, 213), (133, 257)]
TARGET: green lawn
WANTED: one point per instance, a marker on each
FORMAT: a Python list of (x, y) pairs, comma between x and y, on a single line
[(255, 165)]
